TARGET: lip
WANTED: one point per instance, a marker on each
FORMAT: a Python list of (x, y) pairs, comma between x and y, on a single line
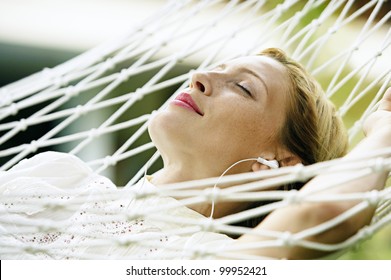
[(186, 101)]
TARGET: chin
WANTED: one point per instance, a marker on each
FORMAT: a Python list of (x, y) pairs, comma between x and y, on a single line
[(154, 127), (166, 126)]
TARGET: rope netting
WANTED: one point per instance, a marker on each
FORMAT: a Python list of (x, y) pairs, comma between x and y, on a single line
[(97, 107)]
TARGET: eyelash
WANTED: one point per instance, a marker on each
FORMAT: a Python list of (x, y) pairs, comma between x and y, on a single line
[(244, 89)]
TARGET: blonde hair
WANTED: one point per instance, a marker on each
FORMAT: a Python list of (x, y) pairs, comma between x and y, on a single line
[(312, 130)]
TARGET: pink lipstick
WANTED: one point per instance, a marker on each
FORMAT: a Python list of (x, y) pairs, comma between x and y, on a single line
[(186, 101)]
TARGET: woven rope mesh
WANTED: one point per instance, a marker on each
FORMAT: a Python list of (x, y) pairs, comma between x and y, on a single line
[(97, 106)]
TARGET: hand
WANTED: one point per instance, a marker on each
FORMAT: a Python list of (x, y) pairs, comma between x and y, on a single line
[(379, 122)]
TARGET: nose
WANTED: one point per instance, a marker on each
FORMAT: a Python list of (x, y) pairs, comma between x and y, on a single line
[(201, 82)]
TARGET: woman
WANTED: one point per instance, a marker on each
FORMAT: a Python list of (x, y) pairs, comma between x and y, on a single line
[(265, 106), (258, 106)]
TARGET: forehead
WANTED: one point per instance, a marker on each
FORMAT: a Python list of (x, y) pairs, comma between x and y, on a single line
[(260, 64)]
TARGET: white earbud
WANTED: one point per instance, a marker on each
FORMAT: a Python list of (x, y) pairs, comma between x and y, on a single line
[(271, 163)]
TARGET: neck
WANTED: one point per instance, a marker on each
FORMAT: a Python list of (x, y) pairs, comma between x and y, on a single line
[(180, 171)]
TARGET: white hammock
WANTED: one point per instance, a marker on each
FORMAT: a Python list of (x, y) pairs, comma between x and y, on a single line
[(97, 106)]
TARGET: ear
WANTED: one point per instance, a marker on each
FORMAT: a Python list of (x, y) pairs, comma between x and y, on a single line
[(256, 166), (290, 161), (285, 158)]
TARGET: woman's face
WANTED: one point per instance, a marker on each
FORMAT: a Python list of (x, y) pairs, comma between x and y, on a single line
[(232, 112)]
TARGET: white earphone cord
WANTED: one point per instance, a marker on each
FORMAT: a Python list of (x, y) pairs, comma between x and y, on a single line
[(270, 163)]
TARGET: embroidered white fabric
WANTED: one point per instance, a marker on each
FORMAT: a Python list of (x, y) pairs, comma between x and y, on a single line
[(103, 85), (56, 176)]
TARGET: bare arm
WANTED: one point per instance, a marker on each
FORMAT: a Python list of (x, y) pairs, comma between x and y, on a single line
[(296, 218)]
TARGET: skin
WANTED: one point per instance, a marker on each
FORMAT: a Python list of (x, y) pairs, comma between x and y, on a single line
[(296, 218), (234, 126)]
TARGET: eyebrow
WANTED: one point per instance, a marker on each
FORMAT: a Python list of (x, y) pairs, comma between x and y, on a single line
[(250, 72)]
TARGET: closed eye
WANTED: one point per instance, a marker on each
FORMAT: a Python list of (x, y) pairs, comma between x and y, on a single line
[(244, 89)]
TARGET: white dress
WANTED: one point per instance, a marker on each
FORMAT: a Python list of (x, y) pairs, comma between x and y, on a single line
[(89, 228)]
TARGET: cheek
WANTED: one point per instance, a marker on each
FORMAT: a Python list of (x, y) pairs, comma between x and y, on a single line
[(241, 131)]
